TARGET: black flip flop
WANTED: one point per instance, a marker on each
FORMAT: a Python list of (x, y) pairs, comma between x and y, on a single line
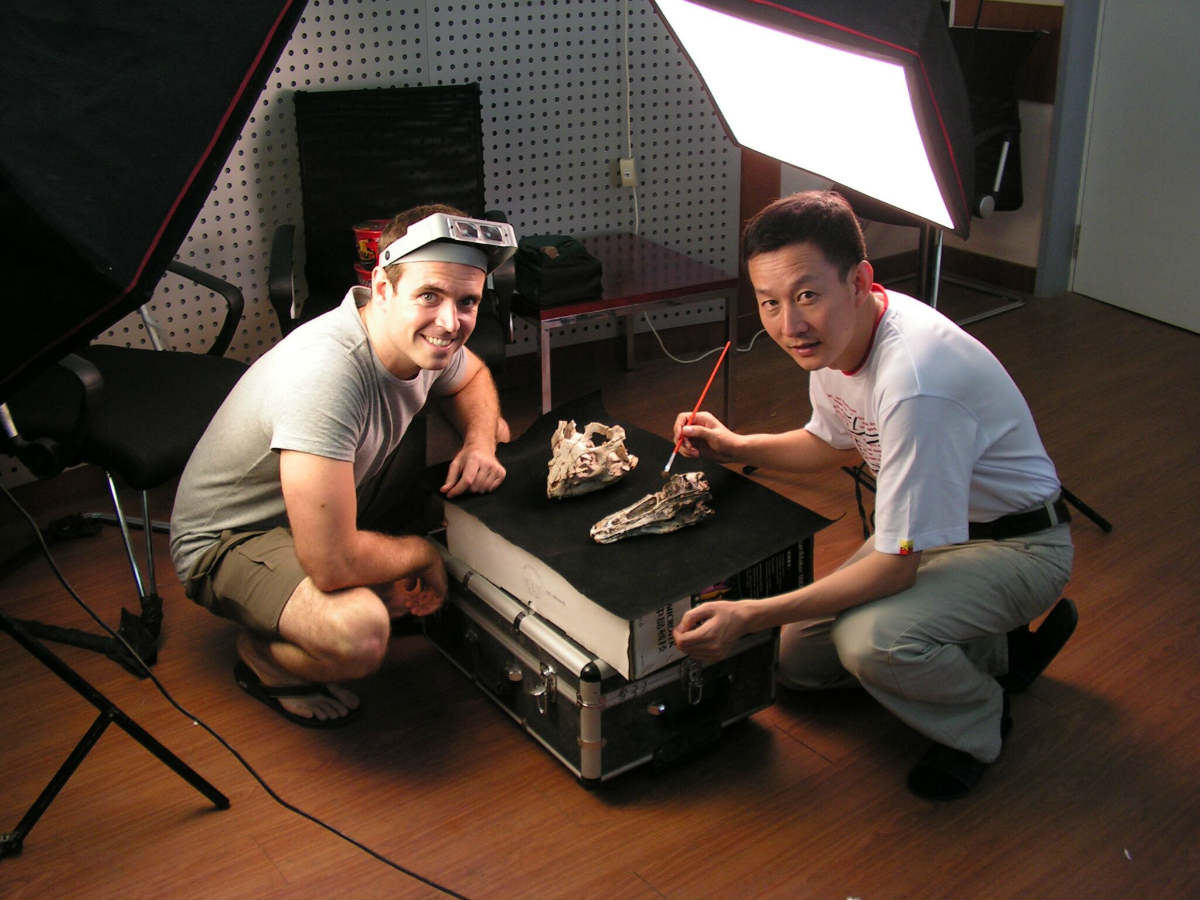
[(268, 695)]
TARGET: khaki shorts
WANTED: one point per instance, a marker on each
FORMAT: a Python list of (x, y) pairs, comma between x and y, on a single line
[(248, 576)]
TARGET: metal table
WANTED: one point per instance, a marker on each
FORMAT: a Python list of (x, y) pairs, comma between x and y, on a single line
[(638, 275)]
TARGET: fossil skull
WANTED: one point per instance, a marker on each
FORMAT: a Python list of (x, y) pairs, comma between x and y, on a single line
[(587, 461), (683, 500)]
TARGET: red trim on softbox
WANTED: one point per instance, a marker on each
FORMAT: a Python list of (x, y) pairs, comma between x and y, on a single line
[(208, 149)]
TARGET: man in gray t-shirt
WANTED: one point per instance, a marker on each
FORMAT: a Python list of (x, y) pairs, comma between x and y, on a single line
[(265, 529)]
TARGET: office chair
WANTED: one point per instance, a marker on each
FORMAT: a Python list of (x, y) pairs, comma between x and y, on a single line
[(136, 414), (369, 154), (991, 60)]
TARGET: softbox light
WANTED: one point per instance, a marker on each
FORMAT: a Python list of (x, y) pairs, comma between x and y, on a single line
[(116, 120), (866, 93)]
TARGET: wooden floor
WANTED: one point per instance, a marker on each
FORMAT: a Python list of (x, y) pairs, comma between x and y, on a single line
[(1097, 793)]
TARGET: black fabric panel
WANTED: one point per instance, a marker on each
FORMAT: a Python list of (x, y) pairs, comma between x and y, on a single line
[(992, 61), (751, 521), (372, 153), (117, 118)]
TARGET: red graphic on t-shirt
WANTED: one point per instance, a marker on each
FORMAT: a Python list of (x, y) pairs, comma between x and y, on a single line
[(864, 432)]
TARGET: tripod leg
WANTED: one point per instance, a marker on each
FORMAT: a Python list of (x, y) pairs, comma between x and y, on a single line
[(1105, 525), (10, 843)]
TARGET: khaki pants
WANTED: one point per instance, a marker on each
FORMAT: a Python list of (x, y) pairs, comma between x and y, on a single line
[(930, 653)]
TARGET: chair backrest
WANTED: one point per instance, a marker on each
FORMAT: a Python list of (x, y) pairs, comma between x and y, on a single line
[(370, 153), (134, 412)]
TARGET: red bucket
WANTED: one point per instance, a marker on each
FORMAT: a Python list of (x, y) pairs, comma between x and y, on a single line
[(366, 239)]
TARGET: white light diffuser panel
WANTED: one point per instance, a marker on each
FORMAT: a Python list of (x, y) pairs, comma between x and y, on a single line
[(833, 112)]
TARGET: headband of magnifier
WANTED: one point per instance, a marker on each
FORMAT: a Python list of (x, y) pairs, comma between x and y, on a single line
[(446, 238)]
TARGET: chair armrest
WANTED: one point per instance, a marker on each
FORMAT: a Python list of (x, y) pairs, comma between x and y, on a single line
[(233, 300), (504, 281), (45, 457), (281, 276)]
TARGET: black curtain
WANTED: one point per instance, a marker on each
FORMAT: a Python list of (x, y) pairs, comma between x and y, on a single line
[(372, 153)]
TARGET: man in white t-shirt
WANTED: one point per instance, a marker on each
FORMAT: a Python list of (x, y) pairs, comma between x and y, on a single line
[(267, 529), (931, 614)]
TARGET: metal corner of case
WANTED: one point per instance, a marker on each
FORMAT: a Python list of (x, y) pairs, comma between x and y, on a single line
[(590, 672)]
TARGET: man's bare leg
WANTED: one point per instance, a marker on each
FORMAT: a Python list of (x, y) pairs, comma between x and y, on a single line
[(323, 639)]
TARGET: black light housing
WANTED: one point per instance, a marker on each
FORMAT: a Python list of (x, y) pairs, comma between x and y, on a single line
[(117, 119)]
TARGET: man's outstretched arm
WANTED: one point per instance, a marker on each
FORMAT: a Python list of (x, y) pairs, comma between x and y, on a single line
[(474, 410), (322, 509)]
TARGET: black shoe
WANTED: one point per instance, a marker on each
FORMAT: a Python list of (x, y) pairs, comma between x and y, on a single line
[(944, 773), (1029, 652)]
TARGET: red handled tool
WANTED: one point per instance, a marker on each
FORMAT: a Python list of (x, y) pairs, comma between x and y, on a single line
[(667, 468)]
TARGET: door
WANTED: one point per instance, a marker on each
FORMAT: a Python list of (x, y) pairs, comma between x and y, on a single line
[(1139, 219)]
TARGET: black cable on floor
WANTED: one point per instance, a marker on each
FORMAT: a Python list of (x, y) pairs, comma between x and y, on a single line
[(196, 721)]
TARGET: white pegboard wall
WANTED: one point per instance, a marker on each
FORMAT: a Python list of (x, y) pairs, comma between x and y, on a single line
[(552, 78), (553, 84)]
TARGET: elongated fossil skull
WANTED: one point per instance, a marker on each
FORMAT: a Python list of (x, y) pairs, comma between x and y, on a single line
[(587, 461), (684, 500)]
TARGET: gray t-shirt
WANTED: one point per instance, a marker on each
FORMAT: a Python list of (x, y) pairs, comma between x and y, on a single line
[(321, 390)]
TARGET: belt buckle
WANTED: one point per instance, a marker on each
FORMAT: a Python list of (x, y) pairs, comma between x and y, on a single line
[(1052, 511)]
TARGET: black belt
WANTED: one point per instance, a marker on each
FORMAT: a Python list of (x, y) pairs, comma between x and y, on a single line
[(1017, 524)]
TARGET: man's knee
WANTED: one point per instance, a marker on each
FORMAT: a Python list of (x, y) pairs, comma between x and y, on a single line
[(807, 659), (363, 628), (869, 643), (350, 629)]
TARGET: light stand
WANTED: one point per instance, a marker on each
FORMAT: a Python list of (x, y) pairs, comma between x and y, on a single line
[(11, 842)]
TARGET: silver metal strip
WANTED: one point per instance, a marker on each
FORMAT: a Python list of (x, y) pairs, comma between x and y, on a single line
[(545, 635)]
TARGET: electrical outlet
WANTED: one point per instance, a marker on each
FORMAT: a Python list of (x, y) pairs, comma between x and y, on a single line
[(627, 171)]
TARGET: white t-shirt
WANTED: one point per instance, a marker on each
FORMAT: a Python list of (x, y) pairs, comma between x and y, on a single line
[(321, 390), (941, 425)]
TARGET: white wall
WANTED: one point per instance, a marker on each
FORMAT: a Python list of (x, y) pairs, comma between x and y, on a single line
[(554, 97)]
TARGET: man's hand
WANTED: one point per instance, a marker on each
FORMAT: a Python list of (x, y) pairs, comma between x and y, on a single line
[(474, 411), (473, 469), (708, 632), (420, 593), (706, 436), (412, 596)]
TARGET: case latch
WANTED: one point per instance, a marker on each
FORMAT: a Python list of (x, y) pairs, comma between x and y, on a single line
[(691, 673), (545, 691)]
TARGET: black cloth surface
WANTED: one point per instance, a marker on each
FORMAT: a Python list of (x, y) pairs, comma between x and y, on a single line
[(641, 573)]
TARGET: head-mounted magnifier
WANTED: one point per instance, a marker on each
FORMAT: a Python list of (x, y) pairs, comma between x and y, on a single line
[(445, 238)]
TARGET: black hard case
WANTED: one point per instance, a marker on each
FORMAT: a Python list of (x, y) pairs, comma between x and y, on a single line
[(593, 720)]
